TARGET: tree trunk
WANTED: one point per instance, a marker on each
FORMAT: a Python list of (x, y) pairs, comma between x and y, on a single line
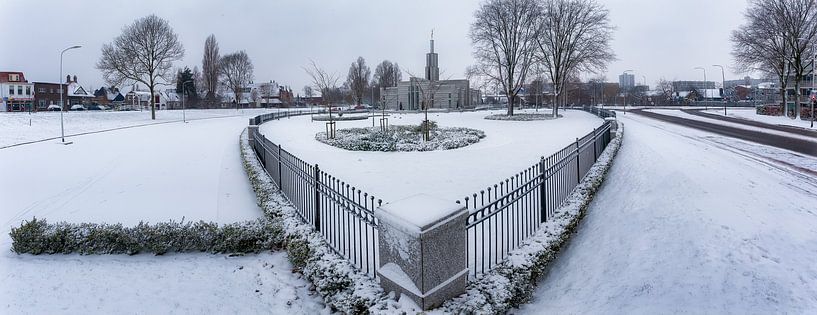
[(783, 97), (510, 102), (797, 100), (152, 103)]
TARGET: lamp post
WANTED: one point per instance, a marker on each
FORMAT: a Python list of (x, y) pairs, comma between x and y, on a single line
[(625, 95), (62, 105), (723, 84), (184, 93), (706, 106)]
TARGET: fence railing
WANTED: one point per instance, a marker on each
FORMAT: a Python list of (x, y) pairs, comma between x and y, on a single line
[(342, 213), (502, 216)]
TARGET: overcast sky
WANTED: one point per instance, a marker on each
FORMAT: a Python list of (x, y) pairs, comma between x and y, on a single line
[(655, 38)]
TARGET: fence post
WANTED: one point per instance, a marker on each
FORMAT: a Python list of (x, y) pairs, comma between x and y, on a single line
[(595, 145), (578, 165), (542, 191), (317, 198), (280, 158), (422, 249)]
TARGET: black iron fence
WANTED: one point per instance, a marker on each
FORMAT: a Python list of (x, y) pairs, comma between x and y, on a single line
[(342, 213), (502, 216)]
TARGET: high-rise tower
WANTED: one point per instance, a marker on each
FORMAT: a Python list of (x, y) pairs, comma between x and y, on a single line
[(432, 70)]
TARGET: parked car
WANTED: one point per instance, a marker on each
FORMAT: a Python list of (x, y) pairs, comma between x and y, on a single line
[(77, 107), (97, 107), (54, 108)]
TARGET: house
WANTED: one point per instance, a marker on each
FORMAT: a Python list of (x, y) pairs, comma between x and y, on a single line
[(46, 93), (137, 99), (16, 93), (76, 93), (109, 96)]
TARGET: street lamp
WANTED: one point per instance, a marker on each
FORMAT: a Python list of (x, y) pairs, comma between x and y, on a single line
[(625, 94), (706, 106), (62, 106), (184, 92), (723, 85)]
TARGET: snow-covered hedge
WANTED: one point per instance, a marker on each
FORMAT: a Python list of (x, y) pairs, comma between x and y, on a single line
[(337, 117), (521, 117), (343, 288), (512, 282), (402, 138), (40, 237)]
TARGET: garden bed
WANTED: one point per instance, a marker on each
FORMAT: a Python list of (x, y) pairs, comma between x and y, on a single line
[(402, 138), (336, 117), (521, 117)]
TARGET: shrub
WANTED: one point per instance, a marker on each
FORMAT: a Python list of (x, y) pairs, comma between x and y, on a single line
[(38, 237), (769, 110), (402, 138)]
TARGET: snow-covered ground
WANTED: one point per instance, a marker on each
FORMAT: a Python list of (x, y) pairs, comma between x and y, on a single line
[(24, 127), (509, 147), (751, 114), (152, 173), (691, 222)]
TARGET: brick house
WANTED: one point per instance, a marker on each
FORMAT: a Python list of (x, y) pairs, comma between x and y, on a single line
[(16, 93), (47, 94)]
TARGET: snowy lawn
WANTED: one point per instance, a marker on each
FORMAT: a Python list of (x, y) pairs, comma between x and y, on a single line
[(689, 222), (153, 173), (24, 127), (509, 147), (751, 114)]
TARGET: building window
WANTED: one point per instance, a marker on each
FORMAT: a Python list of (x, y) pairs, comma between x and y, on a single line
[(41, 90), (19, 90), (42, 103), (28, 90), (11, 90)]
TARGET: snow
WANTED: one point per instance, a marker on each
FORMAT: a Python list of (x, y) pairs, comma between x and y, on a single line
[(145, 284), (509, 146), (684, 223), (16, 128), (396, 274), (153, 173), (751, 114), (420, 211)]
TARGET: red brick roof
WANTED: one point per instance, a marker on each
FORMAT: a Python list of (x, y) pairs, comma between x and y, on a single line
[(4, 77)]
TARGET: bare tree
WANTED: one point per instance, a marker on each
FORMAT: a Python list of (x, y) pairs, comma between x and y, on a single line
[(503, 35), (210, 68), (237, 70), (358, 79), (144, 53), (308, 91), (387, 74), (666, 89), (427, 90), (326, 83), (801, 28), (574, 36)]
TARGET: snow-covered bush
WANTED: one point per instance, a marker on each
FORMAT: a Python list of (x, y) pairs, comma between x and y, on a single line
[(344, 288), (39, 237), (340, 117), (402, 138), (521, 117), (512, 282)]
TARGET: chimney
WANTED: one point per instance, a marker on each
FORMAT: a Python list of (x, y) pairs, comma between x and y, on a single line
[(68, 79), (75, 78)]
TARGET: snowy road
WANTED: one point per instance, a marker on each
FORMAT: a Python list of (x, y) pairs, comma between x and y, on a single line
[(689, 221)]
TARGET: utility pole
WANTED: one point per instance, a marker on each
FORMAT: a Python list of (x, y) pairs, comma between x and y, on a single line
[(706, 106), (62, 105)]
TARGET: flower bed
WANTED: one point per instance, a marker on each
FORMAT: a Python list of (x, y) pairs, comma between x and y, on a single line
[(402, 138), (521, 117)]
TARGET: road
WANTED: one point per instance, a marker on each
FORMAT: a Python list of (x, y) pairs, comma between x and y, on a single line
[(775, 140), (794, 130), (692, 222)]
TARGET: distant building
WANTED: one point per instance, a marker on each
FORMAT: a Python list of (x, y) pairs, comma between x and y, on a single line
[(409, 95), (46, 94), (76, 94), (16, 93), (626, 81), (692, 85)]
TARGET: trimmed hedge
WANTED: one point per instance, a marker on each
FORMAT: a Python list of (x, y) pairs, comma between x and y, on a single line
[(40, 237), (521, 117), (402, 138)]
